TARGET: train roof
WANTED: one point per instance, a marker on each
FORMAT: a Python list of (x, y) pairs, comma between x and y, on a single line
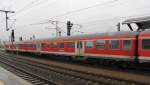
[(129, 33), (137, 20), (122, 33)]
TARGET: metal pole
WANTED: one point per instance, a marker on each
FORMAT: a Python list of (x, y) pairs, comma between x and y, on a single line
[(56, 29), (6, 21)]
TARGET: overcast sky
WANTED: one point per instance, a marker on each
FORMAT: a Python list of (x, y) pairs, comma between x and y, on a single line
[(94, 16)]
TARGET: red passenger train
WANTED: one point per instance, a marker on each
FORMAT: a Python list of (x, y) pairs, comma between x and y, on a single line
[(120, 46)]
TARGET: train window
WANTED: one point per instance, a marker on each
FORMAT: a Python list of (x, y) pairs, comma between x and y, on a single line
[(70, 44), (54, 45), (34, 45), (61, 45), (89, 44), (100, 44), (146, 44), (43, 45), (114, 44), (126, 44), (48, 45), (79, 44)]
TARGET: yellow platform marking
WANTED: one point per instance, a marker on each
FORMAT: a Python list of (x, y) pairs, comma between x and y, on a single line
[(1, 83)]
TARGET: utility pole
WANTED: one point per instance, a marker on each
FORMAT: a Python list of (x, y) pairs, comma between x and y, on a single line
[(20, 39), (6, 12), (12, 36), (69, 26), (58, 32), (118, 26), (33, 37)]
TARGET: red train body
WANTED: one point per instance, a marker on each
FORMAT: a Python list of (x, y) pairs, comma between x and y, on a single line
[(117, 46)]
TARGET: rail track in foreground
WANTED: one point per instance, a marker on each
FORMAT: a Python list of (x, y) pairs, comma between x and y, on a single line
[(44, 74)]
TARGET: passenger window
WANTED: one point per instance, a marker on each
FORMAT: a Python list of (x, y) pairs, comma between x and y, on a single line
[(89, 44), (146, 44), (114, 44), (45, 45), (48, 45), (100, 44), (34, 46), (127, 44), (61, 45), (54, 45), (70, 44)]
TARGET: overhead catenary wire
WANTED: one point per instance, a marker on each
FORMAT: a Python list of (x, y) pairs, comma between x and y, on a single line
[(79, 10), (116, 18), (33, 3), (37, 2), (82, 9), (40, 23)]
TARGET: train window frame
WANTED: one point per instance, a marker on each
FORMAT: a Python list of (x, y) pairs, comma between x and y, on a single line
[(61, 44), (43, 45), (48, 45), (100, 40), (91, 44), (54, 45), (124, 45), (142, 43), (110, 47), (71, 46)]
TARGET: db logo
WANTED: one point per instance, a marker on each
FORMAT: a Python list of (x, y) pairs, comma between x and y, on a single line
[(1, 83)]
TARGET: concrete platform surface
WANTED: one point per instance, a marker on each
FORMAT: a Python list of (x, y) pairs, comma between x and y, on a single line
[(8, 78)]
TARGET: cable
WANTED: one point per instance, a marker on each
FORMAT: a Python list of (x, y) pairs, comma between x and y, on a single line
[(122, 17), (76, 11), (30, 5), (82, 9), (37, 2), (101, 4)]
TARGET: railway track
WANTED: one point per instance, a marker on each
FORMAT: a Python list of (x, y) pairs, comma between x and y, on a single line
[(43, 74)]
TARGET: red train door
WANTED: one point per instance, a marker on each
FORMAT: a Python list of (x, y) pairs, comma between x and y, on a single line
[(79, 48)]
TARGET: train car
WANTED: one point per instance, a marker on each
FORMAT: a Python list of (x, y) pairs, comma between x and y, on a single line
[(144, 46), (115, 45)]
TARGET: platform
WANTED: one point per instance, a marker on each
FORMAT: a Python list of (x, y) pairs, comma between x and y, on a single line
[(8, 78)]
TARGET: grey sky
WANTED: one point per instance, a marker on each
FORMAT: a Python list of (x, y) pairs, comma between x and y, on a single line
[(102, 18)]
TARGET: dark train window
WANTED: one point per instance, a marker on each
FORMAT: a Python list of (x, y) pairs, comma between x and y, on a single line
[(114, 44), (89, 44), (100, 44), (146, 44), (48, 45), (43, 45), (61, 45), (54, 45), (79, 44), (34, 45), (127, 44), (70, 44)]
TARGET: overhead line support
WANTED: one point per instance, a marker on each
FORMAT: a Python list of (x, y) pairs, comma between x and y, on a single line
[(6, 13)]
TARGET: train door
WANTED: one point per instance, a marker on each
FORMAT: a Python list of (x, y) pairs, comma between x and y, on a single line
[(79, 48), (38, 47)]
